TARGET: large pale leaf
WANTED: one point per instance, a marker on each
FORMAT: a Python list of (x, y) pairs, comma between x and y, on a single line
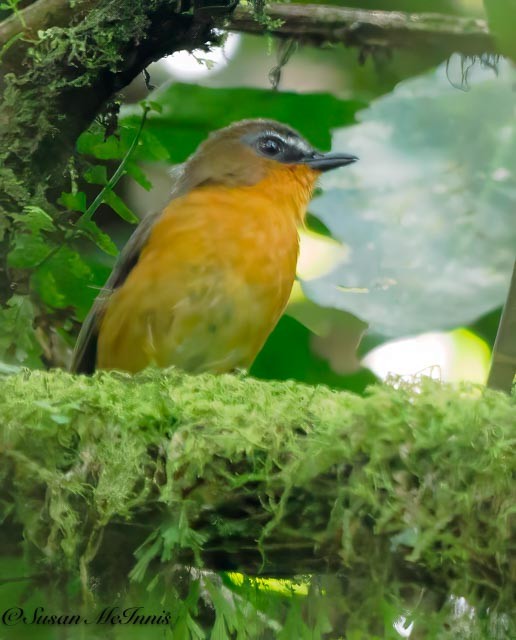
[(429, 212)]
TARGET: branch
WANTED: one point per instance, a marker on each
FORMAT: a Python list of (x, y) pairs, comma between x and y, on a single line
[(320, 24), (40, 15), (403, 487)]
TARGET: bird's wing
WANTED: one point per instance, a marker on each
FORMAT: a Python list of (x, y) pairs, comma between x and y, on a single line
[(85, 351)]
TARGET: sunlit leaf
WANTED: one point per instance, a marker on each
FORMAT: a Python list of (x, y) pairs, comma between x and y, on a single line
[(428, 213), (34, 219)]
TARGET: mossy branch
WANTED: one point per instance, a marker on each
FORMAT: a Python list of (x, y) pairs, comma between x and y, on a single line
[(37, 16), (373, 30), (54, 88), (403, 487)]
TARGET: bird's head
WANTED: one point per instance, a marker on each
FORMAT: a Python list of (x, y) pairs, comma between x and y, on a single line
[(247, 152)]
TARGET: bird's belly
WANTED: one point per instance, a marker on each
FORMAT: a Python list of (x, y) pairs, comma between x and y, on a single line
[(216, 329), (217, 323)]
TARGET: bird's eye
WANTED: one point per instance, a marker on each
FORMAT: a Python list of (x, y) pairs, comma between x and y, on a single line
[(270, 146)]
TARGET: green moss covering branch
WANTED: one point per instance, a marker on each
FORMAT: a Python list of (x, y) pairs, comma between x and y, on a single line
[(399, 489)]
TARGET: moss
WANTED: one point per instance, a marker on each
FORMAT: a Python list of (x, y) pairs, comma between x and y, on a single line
[(400, 488)]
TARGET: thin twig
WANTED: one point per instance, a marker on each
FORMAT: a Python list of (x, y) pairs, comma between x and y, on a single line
[(112, 182)]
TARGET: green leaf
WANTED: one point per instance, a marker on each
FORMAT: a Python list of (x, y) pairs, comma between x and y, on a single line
[(288, 354), (34, 219), (96, 174), (66, 280), (28, 251), (29, 246), (101, 239), (73, 201), (18, 342), (149, 147), (92, 143), (138, 175), (47, 289), (119, 206), (428, 212)]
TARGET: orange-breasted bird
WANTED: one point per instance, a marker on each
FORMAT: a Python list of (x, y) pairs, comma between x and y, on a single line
[(202, 283)]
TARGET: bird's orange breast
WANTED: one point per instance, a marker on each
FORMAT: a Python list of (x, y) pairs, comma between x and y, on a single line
[(212, 280)]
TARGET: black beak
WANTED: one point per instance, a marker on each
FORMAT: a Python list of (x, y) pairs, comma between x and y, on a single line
[(328, 161)]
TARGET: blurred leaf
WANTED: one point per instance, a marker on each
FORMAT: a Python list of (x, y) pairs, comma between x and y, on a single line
[(73, 201), (154, 106), (317, 226), (288, 355), (65, 280), (92, 143), (28, 251), (29, 246), (101, 239), (138, 175), (18, 342), (119, 206), (428, 212), (501, 15), (8, 369), (96, 174), (190, 113), (487, 326), (34, 219)]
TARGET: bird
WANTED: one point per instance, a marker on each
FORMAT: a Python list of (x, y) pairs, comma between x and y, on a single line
[(202, 283)]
